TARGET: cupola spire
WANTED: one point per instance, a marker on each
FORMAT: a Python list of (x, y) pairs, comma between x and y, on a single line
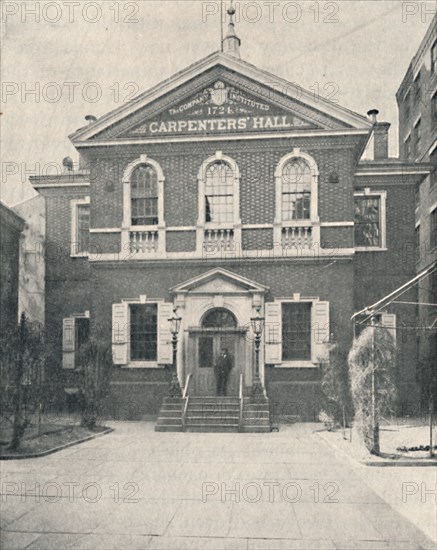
[(231, 42)]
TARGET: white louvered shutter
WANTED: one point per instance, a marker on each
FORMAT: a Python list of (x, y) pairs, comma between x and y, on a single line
[(165, 351), (320, 332), (273, 332), (120, 333), (68, 342)]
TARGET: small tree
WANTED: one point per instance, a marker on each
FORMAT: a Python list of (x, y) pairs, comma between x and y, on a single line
[(25, 354), (336, 385), (95, 362), (371, 368)]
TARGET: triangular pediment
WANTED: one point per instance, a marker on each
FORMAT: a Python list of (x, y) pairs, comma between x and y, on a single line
[(221, 95), (218, 281)]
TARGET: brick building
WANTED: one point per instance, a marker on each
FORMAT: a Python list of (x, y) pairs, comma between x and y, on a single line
[(11, 225), (217, 191), (417, 102)]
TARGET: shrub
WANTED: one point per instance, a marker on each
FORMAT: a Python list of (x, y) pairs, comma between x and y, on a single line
[(25, 357), (337, 406), (371, 368), (95, 362)]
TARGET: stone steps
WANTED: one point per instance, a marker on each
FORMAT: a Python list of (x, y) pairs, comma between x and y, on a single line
[(214, 414)]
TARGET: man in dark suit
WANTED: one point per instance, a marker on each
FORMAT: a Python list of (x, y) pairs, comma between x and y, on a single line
[(222, 368)]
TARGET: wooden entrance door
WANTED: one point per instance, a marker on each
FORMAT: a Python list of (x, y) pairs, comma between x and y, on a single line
[(219, 331), (210, 348)]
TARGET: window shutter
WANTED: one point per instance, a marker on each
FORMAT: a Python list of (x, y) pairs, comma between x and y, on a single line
[(388, 320), (272, 332), (320, 330), (68, 342), (120, 333), (165, 350)]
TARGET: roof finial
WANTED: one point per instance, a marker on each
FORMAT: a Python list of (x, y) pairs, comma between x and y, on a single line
[(231, 43)]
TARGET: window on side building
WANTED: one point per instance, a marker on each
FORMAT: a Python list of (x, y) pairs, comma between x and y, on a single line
[(407, 146), (417, 88), (80, 227), (434, 57), (417, 138), (433, 236), (433, 175), (369, 224)]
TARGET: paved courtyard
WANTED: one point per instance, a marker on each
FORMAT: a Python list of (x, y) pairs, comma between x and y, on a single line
[(136, 489)]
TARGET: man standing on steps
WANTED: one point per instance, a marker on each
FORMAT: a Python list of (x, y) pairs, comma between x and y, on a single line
[(222, 368)]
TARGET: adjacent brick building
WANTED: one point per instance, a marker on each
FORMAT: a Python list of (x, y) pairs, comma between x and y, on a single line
[(221, 194), (11, 225), (417, 102)]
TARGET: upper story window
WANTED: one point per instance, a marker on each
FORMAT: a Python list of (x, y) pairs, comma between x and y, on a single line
[(296, 207), (407, 106), (296, 190), (407, 148), (219, 193), (369, 224), (434, 110), (433, 236), (434, 57), (417, 137), (417, 242), (143, 226), (144, 196), (433, 161), (417, 88), (417, 195), (80, 227), (83, 227)]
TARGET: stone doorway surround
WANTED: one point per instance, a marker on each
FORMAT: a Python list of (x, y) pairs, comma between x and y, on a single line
[(217, 288)]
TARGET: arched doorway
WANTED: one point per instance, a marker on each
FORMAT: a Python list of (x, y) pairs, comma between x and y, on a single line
[(218, 331)]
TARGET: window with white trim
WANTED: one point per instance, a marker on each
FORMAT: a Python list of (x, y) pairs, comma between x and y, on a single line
[(141, 336), (369, 223), (143, 227), (296, 331), (144, 196), (80, 227), (143, 332), (219, 193), (296, 190)]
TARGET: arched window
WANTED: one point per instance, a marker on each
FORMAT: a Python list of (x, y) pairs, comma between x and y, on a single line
[(219, 193), (296, 181), (219, 318), (144, 196)]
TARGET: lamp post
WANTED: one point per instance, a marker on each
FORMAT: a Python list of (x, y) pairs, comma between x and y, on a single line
[(175, 322), (257, 323)]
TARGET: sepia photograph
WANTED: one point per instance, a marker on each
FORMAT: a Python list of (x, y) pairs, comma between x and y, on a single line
[(218, 275)]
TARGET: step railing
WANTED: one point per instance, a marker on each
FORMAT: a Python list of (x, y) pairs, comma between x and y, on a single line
[(185, 398), (240, 395)]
